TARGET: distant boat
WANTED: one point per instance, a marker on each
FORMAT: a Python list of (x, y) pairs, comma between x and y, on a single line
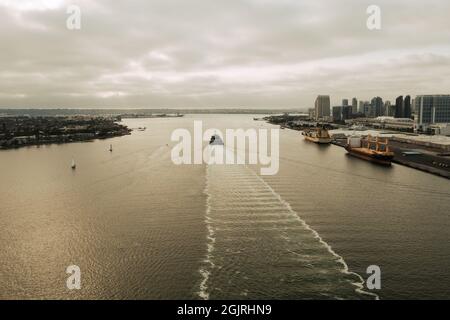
[(317, 135), (110, 148), (216, 140), (74, 165), (374, 150)]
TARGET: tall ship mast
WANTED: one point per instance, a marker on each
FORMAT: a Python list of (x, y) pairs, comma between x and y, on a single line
[(371, 149)]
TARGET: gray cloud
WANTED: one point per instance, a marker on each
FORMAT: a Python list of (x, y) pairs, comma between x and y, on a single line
[(217, 53)]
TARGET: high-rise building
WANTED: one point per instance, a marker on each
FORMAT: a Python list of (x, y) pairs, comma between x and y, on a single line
[(431, 109), (388, 110), (407, 107), (337, 113), (376, 109), (346, 112), (354, 106), (399, 106), (322, 107), (341, 113), (361, 107), (344, 102), (366, 108)]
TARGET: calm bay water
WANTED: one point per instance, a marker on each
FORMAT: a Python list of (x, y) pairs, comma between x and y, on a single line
[(139, 226)]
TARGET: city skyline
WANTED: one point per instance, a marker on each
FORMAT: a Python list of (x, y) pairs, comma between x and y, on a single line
[(271, 54), (232, 158)]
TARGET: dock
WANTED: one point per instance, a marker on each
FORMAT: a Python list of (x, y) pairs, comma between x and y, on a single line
[(418, 157)]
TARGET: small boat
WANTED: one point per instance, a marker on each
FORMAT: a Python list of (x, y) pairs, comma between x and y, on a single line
[(317, 135), (74, 165), (216, 140)]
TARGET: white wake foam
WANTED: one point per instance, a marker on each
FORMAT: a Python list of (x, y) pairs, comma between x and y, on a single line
[(208, 266), (359, 285)]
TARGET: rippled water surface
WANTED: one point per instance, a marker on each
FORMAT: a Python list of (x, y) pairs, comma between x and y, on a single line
[(141, 227)]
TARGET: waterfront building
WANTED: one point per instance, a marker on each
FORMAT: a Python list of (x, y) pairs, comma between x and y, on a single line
[(322, 107), (399, 107), (337, 113), (389, 109), (346, 112), (440, 129), (383, 122), (407, 107), (361, 107), (376, 107), (354, 106), (366, 110), (399, 124), (431, 110), (342, 113)]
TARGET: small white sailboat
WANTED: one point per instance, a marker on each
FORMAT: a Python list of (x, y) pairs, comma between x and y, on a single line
[(110, 148), (74, 165)]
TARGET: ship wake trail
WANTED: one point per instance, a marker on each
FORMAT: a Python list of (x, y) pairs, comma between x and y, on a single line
[(258, 247)]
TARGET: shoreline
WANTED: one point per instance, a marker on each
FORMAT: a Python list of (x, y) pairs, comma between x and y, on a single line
[(48, 143), (423, 168), (408, 163), (417, 162), (19, 132)]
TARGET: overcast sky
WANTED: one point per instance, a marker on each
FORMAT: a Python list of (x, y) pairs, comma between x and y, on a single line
[(219, 53)]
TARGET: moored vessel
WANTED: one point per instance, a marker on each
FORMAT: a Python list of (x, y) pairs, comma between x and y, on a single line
[(317, 135), (370, 149)]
